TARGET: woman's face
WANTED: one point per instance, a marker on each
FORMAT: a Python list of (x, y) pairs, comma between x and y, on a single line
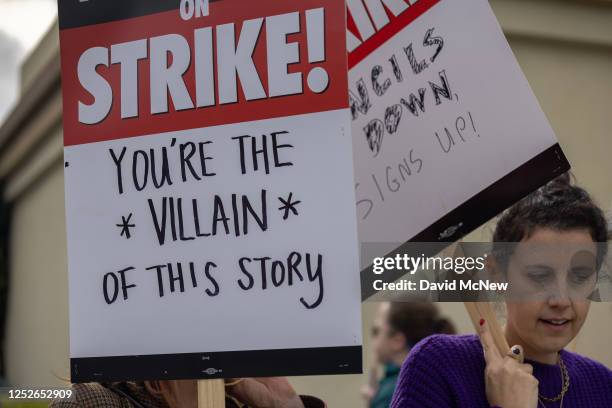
[(551, 276), (381, 334)]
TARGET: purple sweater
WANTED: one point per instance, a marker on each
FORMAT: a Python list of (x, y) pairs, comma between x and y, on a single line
[(448, 371)]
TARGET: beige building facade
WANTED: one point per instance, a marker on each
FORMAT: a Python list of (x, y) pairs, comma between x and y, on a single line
[(564, 48)]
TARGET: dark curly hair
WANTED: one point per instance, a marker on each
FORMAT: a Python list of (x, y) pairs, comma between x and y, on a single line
[(559, 205)]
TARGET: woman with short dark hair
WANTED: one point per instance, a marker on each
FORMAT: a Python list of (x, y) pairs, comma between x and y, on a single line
[(453, 371)]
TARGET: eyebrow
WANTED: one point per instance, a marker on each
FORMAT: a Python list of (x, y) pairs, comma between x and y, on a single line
[(538, 266), (582, 267)]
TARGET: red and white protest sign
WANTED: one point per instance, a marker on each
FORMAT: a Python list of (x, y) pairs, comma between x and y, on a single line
[(209, 198), (446, 130)]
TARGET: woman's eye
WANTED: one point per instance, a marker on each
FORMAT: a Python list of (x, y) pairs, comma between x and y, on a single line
[(539, 277), (581, 275)]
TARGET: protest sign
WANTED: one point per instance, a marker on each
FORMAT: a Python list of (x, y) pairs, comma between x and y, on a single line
[(447, 132), (209, 200)]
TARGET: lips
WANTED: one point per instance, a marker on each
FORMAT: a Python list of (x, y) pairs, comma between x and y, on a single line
[(555, 324)]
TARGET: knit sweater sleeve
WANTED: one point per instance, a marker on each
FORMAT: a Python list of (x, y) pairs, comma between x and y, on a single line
[(422, 382)]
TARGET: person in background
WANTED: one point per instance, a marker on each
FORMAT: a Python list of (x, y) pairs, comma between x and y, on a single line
[(397, 328), (556, 284), (241, 393)]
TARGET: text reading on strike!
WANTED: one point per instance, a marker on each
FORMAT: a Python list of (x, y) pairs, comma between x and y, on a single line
[(221, 60)]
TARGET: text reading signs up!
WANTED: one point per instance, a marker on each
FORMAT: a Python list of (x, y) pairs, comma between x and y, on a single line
[(209, 184), (445, 126)]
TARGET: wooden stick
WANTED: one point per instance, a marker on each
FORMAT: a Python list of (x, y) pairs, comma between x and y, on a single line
[(211, 394), (484, 310)]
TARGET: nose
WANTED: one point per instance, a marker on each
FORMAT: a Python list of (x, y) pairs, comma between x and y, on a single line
[(559, 296)]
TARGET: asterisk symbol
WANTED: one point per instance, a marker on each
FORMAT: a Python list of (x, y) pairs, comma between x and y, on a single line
[(125, 226), (288, 205)]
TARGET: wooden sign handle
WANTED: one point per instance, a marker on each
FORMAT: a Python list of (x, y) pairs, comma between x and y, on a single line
[(484, 310), (211, 394)]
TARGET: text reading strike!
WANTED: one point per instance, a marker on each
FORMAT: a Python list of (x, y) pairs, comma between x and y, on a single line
[(212, 50)]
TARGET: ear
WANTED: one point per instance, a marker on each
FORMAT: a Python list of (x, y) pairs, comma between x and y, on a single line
[(399, 341)]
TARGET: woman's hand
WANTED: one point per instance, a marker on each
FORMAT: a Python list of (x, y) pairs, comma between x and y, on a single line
[(273, 392), (509, 383)]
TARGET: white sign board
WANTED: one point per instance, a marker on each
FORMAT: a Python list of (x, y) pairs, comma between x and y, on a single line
[(209, 199), (446, 130)]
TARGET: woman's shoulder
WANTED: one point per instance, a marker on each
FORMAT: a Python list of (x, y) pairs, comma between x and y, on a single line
[(440, 368), (588, 367), (111, 395), (444, 345), (89, 395), (444, 355)]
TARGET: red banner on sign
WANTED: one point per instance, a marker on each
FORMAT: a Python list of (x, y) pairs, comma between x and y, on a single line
[(393, 25), (159, 73)]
